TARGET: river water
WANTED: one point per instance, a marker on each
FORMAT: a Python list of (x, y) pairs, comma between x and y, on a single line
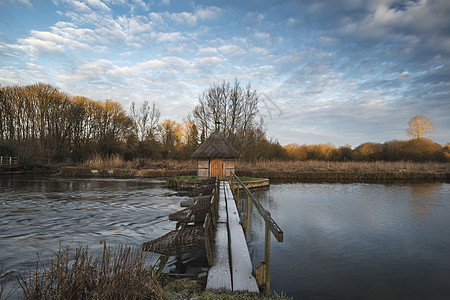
[(39, 213), (341, 241), (358, 241)]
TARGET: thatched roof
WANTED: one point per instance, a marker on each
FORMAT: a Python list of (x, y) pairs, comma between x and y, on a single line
[(216, 146)]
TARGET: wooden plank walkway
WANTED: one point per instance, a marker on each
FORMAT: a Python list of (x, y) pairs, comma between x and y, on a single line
[(232, 269)]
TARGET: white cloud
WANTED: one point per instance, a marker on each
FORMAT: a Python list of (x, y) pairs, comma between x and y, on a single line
[(207, 51), (11, 2), (259, 51), (34, 47), (99, 5), (183, 18), (208, 13), (232, 50), (152, 64), (262, 35)]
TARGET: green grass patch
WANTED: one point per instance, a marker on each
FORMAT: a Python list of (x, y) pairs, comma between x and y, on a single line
[(248, 178), (190, 178), (191, 289)]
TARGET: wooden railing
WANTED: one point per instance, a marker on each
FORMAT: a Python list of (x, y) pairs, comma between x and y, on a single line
[(8, 161), (210, 224), (270, 225)]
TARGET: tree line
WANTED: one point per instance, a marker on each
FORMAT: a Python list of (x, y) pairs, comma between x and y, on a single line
[(41, 124), (409, 150)]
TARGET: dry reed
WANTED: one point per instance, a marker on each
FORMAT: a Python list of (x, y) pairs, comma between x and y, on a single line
[(120, 273), (349, 166), (117, 162), (103, 163)]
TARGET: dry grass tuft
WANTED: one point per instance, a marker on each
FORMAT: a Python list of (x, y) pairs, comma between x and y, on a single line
[(120, 273), (105, 163)]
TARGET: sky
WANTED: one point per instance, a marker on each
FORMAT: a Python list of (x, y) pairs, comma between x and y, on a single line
[(342, 72)]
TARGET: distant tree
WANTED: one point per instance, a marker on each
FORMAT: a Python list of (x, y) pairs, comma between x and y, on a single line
[(171, 134), (394, 150), (420, 127), (446, 151), (344, 153), (232, 109), (424, 150), (297, 152), (146, 120), (190, 138), (368, 152), (320, 151)]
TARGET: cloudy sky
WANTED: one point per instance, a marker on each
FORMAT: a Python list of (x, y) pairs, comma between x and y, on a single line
[(345, 72)]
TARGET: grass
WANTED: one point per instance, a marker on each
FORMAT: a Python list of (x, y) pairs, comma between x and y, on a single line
[(97, 162), (313, 171), (350, 166), (119, 273), (191, 289), (190, 178), (248, 178)]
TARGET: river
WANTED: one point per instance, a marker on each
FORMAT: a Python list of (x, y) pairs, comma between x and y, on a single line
[(341, 241), (363, 241)]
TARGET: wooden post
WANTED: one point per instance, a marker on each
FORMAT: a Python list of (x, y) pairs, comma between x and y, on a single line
[(260, 274), (247, 225), (267, 255), (160, 263), (236, 194)]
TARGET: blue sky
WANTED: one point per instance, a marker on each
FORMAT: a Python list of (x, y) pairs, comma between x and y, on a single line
[(344, 72)]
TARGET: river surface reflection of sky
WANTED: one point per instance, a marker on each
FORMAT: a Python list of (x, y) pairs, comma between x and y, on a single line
[(346, 241)]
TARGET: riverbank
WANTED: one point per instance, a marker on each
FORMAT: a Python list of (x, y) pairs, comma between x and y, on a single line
[(272, 169)]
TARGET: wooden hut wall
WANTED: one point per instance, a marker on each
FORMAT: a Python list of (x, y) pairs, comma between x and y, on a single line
[(228, 165), (203, 167)]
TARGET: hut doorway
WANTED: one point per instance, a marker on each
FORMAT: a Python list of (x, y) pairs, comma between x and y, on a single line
[(217, 168)]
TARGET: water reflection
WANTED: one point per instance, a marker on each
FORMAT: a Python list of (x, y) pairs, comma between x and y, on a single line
[(423, 198), (358, 240)]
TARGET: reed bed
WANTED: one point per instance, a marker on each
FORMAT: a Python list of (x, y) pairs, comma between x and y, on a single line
[(119, 273), (349, 166), (344, 170), (117, 162)]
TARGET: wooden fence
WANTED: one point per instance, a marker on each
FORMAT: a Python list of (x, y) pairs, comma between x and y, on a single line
[(8, 161)]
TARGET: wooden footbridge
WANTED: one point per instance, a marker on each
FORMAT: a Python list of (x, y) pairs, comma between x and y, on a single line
[(231, 267), (222, 235)]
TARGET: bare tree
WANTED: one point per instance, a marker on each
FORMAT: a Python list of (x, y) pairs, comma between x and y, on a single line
[(232, 110), (420, 127), (146, 120)]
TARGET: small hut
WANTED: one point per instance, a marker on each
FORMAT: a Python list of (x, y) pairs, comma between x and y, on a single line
[(215, 157)]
